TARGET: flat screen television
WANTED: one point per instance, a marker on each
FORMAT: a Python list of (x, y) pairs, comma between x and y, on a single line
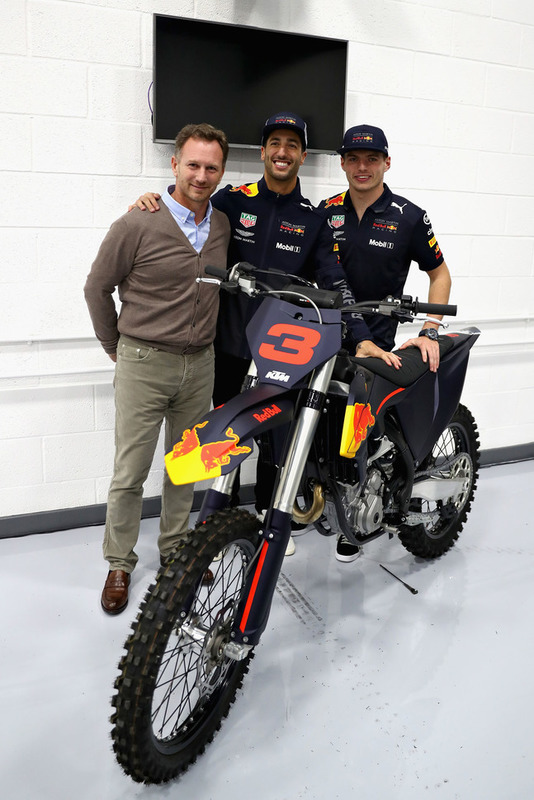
[(236, 76)]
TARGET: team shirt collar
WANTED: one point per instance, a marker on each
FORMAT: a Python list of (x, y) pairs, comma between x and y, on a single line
[(264, 190), (379, 206)]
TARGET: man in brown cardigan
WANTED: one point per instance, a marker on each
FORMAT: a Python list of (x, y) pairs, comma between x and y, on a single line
[(161, 340)]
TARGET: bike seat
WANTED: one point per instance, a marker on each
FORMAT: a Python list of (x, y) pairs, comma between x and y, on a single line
[(412, 367)]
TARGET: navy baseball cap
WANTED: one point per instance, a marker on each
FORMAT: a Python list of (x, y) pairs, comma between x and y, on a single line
[(364, 137), (285, 120)]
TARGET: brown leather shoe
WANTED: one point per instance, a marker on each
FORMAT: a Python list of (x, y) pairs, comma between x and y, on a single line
[(115, 592), (208, 577)]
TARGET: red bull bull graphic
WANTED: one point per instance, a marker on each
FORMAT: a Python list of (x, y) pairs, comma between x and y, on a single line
[(335, 201), (251, 190), (358, 420), (191, 461), (189, 441)]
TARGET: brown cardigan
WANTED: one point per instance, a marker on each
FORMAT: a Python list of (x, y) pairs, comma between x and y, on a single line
[(155, 268)]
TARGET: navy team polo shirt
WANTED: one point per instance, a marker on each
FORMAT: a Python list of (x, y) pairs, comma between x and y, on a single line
[(377, 251)]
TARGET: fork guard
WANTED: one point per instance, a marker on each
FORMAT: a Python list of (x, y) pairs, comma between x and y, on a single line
[(224, 437)]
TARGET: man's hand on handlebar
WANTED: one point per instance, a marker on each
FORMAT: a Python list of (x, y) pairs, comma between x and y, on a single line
[(148, 201), (368, 349)]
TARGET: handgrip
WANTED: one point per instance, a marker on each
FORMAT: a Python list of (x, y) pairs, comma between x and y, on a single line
[(435, 308), (324, 298), (216, 272)]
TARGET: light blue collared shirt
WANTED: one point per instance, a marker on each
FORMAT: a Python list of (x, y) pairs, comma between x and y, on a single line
[(197, 234)]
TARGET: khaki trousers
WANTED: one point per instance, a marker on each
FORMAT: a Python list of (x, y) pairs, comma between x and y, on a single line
[(151, 386)]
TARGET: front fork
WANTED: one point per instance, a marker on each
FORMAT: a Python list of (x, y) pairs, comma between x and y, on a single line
[(255, 604)]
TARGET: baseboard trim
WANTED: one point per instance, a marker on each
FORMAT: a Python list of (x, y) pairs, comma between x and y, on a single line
[(507, 455), (65, 519)]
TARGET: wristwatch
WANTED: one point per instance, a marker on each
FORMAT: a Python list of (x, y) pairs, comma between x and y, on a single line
[(430, 333)]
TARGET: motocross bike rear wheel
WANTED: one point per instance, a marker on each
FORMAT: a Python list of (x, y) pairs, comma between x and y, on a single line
[(443, 519), (176, 682)]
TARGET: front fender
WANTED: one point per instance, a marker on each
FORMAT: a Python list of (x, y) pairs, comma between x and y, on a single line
[(224, 437)]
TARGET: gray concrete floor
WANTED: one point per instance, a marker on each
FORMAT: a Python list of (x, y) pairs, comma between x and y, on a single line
[(358, 686)]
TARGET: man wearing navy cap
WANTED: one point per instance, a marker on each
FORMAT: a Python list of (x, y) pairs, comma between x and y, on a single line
[(377, 234)]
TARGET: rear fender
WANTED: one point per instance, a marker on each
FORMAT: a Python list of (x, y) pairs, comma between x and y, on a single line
[(224, 437)]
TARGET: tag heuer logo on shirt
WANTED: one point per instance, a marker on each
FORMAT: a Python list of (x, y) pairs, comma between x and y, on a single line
[(247, 220), (337, 221)]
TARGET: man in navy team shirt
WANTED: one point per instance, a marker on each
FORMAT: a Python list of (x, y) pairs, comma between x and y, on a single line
[(376, 235)]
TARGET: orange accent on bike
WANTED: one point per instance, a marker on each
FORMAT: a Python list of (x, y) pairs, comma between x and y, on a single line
[(387, 398), (244, 619)]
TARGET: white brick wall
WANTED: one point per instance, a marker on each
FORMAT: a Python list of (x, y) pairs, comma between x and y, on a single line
[(451, 83)]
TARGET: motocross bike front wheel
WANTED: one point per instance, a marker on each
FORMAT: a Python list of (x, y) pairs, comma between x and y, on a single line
[(441, 521), (176, 681)]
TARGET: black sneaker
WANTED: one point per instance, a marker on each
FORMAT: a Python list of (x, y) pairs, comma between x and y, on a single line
[(345, 550)]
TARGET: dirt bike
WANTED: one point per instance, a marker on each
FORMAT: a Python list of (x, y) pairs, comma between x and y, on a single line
[(368, 451)]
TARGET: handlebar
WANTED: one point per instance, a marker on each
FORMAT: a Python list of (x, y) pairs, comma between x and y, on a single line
[(242, 277), (403, 309)]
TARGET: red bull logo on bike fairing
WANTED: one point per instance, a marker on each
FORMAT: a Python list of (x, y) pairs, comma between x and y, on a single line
[(358, 421), (191, 461)]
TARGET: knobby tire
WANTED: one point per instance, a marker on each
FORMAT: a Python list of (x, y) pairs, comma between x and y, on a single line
[(176, 685), (432, 539)]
